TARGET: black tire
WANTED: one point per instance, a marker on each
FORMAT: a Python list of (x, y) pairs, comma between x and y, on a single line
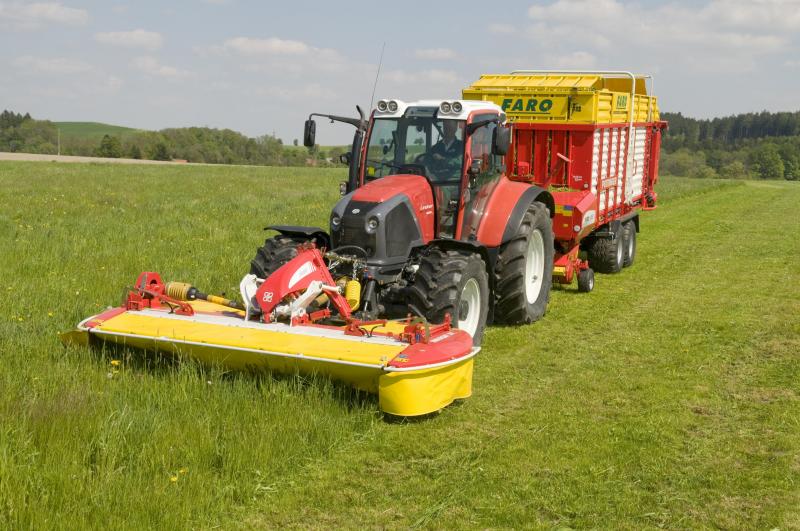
[(275, 252), (512, 304), (629, 242), (441, 281), (586, 280), (606, 255)]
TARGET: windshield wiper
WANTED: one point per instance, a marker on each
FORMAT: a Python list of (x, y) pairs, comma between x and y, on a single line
[(383, 163)]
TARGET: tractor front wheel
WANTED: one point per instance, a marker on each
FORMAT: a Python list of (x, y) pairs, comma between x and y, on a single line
[(524, 269), (275, 252), (452, 282)]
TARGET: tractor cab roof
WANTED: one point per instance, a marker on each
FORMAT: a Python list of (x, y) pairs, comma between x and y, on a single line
[(454, 109)]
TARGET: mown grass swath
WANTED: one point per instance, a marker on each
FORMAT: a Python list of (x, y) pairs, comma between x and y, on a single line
[(666, 397)]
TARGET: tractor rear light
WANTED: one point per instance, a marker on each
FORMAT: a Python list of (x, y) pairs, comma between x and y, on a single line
[(445, 107), (383, 106), (457, 107), (392, 106)]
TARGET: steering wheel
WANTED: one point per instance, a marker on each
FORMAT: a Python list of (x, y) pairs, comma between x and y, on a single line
[(413, 169)]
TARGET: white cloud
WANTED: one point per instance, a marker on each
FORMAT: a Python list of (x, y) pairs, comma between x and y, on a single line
[(138, 38), (34, 15), (502, 29), (722, 35), (56, 65), (271, 46), (574, 61), (435, 53), (151, 66)]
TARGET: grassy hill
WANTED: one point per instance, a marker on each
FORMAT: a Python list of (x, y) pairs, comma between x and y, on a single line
[(92, 130), (669, 397)]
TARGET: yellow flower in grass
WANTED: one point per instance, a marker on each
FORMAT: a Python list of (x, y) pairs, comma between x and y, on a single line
[(173, 479), (115, 363)]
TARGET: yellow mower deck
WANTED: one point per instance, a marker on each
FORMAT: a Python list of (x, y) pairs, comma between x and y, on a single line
[(216, 334)]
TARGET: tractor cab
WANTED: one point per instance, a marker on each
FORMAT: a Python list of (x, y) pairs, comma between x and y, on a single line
[(455, 145), (438, 140)]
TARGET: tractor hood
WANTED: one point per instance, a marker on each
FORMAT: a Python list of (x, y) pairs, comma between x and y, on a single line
[(387, 218)]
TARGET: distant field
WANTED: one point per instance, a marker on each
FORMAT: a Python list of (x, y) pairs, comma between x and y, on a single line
[(92, 130), (667, 398)]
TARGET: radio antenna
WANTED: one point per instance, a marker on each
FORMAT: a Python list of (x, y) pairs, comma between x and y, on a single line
[(377, 75)]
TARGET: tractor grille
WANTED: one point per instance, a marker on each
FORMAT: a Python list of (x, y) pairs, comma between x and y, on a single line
[(352, 231)]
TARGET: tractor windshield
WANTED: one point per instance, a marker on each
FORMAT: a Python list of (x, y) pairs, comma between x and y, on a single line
[(420, 144), (416, 144)]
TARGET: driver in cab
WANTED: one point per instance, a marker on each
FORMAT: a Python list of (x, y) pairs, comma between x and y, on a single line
[(446, 154)]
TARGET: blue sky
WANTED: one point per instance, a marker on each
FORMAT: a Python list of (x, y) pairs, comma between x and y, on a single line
[(260, 67)]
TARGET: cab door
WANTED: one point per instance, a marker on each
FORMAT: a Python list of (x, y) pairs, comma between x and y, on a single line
[(484, 171)]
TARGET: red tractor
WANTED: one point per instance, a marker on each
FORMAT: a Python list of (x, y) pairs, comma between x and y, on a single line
[(429, 223)]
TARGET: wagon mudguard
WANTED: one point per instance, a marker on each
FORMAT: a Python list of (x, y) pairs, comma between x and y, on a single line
[(506, 207), (320, 236)]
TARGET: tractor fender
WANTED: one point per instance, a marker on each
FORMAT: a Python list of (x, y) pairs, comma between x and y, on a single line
[(320, 236), (489, 257), (505, 209)]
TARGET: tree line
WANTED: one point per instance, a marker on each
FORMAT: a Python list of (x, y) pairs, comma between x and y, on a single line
[(761, 145), (22, 133), (745, 146)]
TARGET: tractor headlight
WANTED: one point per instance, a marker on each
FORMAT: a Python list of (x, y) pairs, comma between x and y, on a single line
[(457, 106), (382, 106), (335, 222), (445, 107), (372, 225), (392, 106)]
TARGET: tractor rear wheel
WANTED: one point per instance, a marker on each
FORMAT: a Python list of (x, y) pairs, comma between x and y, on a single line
[(629, 241), (524, 269), (275, 252), (452, 282), (606, 255)]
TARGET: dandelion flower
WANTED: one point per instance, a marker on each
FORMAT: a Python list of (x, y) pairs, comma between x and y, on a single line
[(115, 363), (182, 470), (173, 479)]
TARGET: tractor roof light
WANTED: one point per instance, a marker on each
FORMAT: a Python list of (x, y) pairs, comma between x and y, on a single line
[(457, 107), (383, 106), (392, 106), (445, 107)]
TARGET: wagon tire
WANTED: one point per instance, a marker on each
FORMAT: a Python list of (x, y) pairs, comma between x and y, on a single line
[(606, 255), (629, 242), (586, 280), (455, 283), (524, 269)]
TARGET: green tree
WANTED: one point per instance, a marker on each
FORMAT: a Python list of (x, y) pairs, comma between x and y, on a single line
[(767, 163), (135, 152), (109, 147), (734, 170), (160, 152)]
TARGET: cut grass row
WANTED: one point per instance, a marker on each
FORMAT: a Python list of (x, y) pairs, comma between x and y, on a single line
[(667, 397)]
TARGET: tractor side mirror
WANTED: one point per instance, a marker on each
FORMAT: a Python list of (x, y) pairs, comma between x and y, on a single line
[(475, 167), (344, 158), (310, 133), (501, 140)]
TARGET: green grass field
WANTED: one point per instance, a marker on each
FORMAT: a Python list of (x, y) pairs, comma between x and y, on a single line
[(668, 397), (92, 130)]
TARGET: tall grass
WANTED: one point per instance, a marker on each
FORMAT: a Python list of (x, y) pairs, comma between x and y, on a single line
[(667, 397)]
